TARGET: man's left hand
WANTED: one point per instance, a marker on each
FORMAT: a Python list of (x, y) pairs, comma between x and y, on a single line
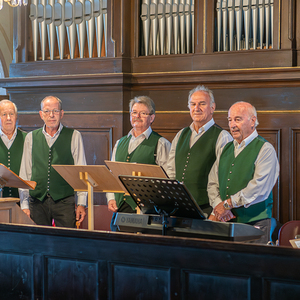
[(80, 213)]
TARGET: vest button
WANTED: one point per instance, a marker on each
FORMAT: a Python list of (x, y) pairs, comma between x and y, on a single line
[(228, 179), (226, 187), (232, 164)]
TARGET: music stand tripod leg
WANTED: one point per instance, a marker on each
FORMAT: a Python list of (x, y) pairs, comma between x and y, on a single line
[(91, 183)]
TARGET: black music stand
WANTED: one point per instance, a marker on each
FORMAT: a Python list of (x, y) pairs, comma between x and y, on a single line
[(162, 196)]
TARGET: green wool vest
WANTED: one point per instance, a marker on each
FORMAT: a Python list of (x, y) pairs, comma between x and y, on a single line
[(11, 158), (193, 164), (145, 153), (235, 174), (43, 157)]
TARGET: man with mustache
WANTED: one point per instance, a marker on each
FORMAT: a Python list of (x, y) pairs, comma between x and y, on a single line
[(195, 148), (243, 176), (140, 145), (11, 142)]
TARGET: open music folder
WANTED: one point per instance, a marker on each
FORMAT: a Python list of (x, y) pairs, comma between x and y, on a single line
[(11, 179)]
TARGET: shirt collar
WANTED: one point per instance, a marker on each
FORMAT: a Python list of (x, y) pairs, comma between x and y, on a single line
[(13, 136), (146, 133), (245, 142), (56, 133), (205, 127)]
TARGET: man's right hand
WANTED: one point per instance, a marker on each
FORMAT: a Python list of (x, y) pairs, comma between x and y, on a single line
[(27, 212), (112, 205)]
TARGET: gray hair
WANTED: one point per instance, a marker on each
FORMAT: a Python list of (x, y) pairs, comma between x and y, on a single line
[(250, 109), (202, 88), (8, 101), (49, 97), (143, 100)]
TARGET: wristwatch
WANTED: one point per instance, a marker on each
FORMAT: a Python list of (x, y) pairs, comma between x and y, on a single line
[(226, 205)]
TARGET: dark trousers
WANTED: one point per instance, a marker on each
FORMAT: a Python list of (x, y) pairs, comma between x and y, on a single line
[(61, 211)]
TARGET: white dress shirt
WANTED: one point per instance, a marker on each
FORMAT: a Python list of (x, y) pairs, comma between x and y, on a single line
[(259, 188), (78, 154), (8, 142), (223, 138), (163, 148)]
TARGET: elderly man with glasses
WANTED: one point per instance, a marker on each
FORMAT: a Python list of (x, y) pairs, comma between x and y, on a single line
[(53, 198), (140, 145), (11, 142)]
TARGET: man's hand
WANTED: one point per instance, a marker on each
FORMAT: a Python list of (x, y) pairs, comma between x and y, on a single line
[(227, 217), (80, 213), (27, 212), (112, 205), (223, 214), (213, 218)]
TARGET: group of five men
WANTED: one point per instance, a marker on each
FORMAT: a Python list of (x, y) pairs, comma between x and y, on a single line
[(230, 176)]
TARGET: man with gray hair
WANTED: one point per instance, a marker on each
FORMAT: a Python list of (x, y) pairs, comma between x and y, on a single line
[(11, 142), (140, 145), (244, 174), (195, 148), (53, 198)]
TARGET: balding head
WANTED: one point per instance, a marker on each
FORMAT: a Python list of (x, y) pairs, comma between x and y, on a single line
[(242, 120)]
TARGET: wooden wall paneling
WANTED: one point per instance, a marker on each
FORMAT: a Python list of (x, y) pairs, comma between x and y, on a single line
[(295, 182), (199, 26), (297, 33), (66, 67), (287, 24), (82, 277), (209, 16), (136, 29), (93, 264)]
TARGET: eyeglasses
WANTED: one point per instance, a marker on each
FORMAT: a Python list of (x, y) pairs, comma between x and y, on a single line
[(142, 114), (54, 111)]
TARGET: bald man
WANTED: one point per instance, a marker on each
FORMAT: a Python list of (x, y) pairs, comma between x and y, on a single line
[(241, 180)]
